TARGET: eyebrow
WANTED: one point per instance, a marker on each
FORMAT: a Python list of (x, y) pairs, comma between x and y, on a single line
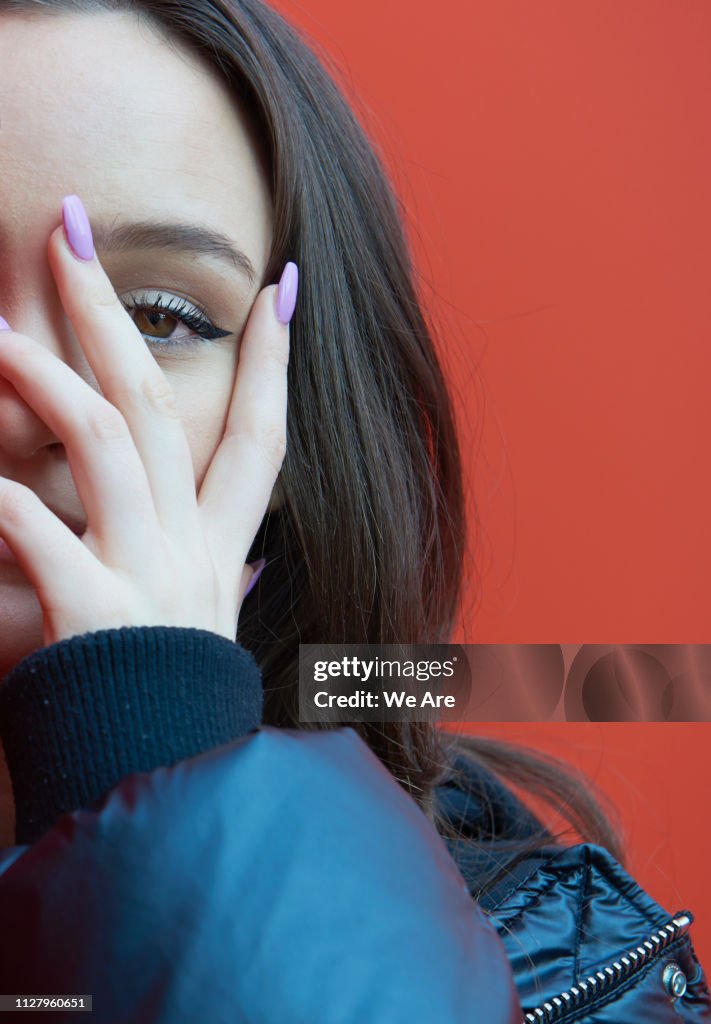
[(174, 236)]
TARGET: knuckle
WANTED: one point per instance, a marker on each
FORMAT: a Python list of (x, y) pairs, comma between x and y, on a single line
[(273, 441), (275, 361), (16, 504), (279, 357), (269, 439), (106, 423), (103, 297), (159, 396)]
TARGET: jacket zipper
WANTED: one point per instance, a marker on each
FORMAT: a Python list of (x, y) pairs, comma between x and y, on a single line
[(600, 983)]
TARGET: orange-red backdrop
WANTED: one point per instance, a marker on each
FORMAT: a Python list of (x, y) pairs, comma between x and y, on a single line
[(555, 159)]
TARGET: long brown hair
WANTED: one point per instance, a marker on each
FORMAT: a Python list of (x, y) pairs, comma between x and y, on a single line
[(369, 544)]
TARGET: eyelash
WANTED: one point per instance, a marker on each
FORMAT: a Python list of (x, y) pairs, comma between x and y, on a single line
[(183, 311)]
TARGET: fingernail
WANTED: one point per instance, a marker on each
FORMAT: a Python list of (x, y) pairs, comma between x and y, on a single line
[(4, 325), (286, 293), (257, 566), (77, 227)]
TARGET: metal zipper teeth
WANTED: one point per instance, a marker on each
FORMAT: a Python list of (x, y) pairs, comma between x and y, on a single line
[(602, 981)]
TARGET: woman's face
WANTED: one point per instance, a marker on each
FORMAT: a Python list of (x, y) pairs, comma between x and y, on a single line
[(144, 134)]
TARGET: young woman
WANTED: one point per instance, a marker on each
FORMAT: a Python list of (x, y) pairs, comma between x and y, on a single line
[(192, 219)]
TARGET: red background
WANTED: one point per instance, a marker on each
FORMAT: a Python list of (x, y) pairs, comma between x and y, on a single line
[(555, 161)]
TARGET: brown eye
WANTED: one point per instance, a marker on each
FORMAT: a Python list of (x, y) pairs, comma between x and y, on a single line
[(157, 321)]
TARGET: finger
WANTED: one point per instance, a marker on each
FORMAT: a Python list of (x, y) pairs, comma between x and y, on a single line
[(56, 562), (239, 481), (127, 373), (107, 471)]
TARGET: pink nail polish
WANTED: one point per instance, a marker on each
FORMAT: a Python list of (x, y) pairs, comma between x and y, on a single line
[(257, 566), (4, 325), (286, 293), (77, 227)]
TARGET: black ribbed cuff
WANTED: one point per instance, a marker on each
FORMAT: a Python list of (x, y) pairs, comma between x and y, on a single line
[(80, 715)]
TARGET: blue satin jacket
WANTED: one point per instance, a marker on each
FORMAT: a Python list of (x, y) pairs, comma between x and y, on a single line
[(284, 877)]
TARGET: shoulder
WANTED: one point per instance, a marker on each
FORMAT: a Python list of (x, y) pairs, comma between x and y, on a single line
[(303, 867), (581, 933), (584, 940)]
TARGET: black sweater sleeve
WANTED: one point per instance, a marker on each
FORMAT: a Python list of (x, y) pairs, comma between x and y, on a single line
[(78, 716)]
